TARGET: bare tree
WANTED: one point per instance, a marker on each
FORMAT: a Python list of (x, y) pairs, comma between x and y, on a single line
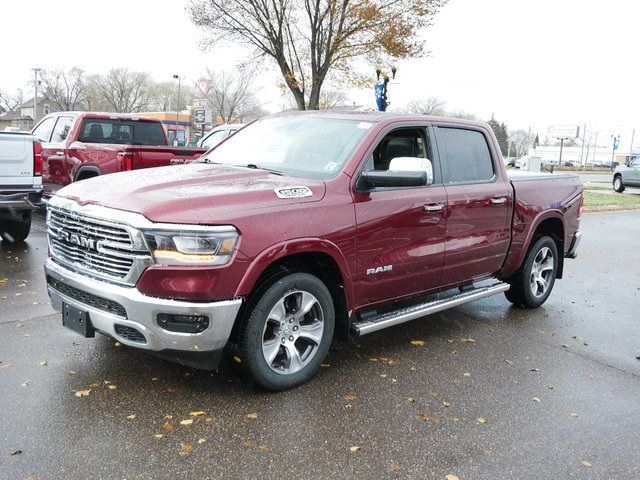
[(231, 95), (461, 114), (64, 88), (11, 101), (124, 91), (521, 142), (428, 106), (308, 39), (164, 96), (329, 99)]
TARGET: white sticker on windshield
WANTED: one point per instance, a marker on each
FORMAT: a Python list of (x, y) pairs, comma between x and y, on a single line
[(293, 192), (330, 167), (365, 125)]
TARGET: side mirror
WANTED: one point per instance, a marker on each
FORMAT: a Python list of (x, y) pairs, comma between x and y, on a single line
[(391, 178), (412, 164)]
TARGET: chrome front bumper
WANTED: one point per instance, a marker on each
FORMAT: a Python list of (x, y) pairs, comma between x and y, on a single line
[(141, 312), (573, 249)]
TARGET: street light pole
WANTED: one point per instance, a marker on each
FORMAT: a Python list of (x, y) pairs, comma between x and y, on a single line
[(35, 95), (175, 140)]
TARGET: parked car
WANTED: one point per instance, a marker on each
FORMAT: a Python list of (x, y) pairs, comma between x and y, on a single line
[(20, 184), (81, 145), (301, 225), (627, 176), (510, 161), (218, 134)]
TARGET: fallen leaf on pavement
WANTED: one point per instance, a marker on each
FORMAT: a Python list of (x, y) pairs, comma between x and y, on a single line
[(411, 400), (350, 398), (510, 362), (466, 374), (487, 452), (586, 464), (95, 385), (263, 448), (83, 393), (201, 441), (446, 404), (418, 343), (550, 387), (573, 414), (131, 417), (424, 417), (3, 281), (451, 476), (237, 359), (72, 372), (169, 426), (481, 420), (25, 384), (354, 448), (252, 416), (16, 452), (394, 466), (468, 340), (159, 435), (112, 387), (535, 369), (44, 363), (249, 443), (186, 422), (185, 449), (197, 414), (536, 399), (117, 344)]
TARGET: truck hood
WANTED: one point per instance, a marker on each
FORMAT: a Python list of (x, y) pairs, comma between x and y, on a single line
[(193, 193)]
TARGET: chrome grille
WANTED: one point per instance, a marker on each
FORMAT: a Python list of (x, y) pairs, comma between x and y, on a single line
[(105, 249)]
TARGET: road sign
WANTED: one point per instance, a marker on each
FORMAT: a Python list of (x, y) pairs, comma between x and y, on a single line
[(202, 86), (199, 116), (564, 132)]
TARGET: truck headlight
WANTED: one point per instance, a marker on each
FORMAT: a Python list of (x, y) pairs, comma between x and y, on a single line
[(193, 248)]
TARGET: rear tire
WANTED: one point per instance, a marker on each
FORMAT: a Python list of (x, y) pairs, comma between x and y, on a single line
[(531, 285), (14, 231), (286, 332), (618, 186)]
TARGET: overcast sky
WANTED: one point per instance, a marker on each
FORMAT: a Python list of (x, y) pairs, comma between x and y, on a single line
[(529, 62)]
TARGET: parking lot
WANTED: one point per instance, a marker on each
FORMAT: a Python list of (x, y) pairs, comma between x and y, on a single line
[(480, 391)]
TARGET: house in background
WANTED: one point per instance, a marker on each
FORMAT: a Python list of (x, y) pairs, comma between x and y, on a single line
[(22, 117)]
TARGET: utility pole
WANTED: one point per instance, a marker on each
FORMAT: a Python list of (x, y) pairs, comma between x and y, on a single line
[(584, 135), (595, 149), (35, 95), (633, 134), (175, 140)]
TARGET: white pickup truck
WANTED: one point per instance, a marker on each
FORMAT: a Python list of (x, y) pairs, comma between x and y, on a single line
[(20, 184)]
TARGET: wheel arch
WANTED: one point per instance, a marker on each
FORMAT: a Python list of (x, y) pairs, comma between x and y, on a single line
[(87, 171)]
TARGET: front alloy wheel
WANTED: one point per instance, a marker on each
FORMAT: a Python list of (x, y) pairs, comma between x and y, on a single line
[(286, 331), (542, 272)]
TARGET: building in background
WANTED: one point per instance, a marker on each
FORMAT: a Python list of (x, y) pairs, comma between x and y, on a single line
[(178, 126)]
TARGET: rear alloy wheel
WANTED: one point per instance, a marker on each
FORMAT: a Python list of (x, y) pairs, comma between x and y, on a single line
[(618, 186), (531, 285), (287, 332)]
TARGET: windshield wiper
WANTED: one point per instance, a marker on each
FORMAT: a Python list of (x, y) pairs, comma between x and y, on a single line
[(258, 167)]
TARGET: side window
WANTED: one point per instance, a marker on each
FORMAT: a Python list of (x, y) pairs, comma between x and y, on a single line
[(43, 131), (214, 139), (636, 163), (106, 131), (61, 131), (148, 133), (464, 155)]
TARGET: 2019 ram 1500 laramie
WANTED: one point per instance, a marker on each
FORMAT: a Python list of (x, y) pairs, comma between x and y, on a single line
[(81, 145), (299, 223), (20, 184)]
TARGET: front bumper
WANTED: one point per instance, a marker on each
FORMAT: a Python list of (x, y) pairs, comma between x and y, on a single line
[(112, 307), (573, 249)]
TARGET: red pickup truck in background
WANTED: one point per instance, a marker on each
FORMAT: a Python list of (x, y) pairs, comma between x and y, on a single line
[(299, 224), (81, 145)]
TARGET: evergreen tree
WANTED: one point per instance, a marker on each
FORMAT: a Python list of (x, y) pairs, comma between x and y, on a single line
[(501, 133)]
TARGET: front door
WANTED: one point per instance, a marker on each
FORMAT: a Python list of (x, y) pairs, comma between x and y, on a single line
[(400, 232)]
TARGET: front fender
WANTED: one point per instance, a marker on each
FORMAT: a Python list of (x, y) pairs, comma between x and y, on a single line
[(291, 247)]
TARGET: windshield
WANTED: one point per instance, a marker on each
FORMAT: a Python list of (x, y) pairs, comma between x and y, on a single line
[(297, 146)]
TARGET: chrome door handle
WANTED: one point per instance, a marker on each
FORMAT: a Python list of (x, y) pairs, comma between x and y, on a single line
[(498, 201), (435, 207)]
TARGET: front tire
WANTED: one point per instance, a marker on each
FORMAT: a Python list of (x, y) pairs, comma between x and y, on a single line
[(618, 186), (286, 332), (531, 285), (14, 231)]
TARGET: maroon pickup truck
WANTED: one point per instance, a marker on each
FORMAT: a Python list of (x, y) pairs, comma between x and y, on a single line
[(299, 225), (81, 145)]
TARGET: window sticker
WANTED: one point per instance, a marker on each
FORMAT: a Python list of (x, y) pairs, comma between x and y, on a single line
[(330, 167), (365, 125)]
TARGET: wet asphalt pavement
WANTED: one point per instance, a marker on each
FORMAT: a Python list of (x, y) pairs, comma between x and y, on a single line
[(494, 391)]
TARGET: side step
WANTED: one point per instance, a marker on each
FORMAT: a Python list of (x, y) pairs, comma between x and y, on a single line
[(396, 317)]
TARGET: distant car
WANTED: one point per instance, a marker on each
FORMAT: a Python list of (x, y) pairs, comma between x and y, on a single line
[(12, 129), (521, 162), (510, 161), (218, 134), (627, 176)]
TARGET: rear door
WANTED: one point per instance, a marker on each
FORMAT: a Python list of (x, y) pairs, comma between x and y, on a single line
[(400, 232), (479, 204), (632, 176)]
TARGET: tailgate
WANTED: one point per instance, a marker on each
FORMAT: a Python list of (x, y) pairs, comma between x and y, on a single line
[(160, 156), (16, 160)]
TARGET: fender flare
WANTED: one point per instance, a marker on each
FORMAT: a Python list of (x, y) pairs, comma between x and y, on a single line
[(291, 247), (86, 168), (541, 217)]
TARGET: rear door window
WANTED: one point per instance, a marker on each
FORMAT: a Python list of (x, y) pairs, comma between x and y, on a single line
[(148, 133), (106, 131), (43, 131), (464, 155), (214, 138), (61, 130)]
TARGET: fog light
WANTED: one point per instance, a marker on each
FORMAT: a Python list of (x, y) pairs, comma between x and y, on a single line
[(183, 323)]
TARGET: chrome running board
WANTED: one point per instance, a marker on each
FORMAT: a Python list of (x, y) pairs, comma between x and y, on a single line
[(388, 319)]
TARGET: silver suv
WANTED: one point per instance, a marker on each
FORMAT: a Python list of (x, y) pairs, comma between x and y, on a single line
[(627, 175)]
